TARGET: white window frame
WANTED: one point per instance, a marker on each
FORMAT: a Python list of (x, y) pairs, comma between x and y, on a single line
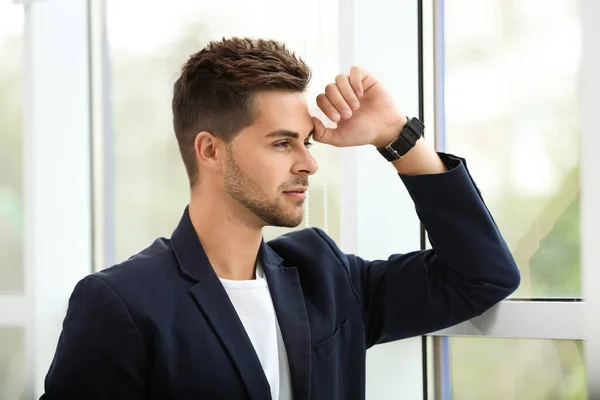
[(382, 37), (590, 190), (57, 171)]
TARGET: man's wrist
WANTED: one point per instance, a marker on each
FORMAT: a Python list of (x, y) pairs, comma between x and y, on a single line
[(420, 160), (387, 137)]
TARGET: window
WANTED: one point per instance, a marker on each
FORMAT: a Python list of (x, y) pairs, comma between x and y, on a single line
[(12, 363), (536, 205), (149, 182), (512, 110), (12, 276), (11, 149), (495, 369)]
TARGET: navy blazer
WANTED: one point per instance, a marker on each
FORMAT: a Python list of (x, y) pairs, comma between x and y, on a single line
[(161, 326)]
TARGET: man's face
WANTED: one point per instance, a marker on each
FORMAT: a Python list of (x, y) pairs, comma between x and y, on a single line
[(268, 163)]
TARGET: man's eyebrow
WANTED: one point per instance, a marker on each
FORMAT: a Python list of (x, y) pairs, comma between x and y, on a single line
[(289, 134)]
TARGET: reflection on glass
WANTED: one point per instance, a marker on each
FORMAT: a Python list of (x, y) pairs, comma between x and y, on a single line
[(528, 369), (12, 363), (150, 183), (512, 110), (11, 154)]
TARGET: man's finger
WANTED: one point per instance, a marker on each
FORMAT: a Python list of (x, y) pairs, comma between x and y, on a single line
[(335, 97), (328, 108), (320, 129), (325, 135), (343, 83), (356, 77)]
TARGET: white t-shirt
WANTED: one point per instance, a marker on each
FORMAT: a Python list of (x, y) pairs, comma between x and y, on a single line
[(254, 305)]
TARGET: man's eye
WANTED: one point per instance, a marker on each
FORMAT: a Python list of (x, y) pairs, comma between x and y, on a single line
[(286, 144), (282, 145)]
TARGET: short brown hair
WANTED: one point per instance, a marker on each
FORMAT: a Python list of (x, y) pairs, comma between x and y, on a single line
[(215, 90)]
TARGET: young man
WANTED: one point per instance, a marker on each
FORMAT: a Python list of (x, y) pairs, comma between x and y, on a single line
[(217, 313)]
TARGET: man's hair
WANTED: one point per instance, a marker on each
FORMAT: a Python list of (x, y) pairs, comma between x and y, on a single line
[(215, 90)]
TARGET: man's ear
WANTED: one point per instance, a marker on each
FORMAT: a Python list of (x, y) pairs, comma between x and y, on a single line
[(209, 150)]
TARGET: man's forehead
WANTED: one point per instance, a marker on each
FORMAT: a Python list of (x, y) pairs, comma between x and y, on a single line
[(273, 113), (278, 105)]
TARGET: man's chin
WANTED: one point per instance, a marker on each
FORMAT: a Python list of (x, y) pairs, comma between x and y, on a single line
[(287, 222)]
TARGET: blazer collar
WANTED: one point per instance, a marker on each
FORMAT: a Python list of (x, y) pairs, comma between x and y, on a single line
[(288, 301), (192, 258)]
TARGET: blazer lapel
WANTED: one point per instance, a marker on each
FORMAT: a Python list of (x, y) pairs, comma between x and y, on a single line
[(213, 300), (211, 297), (288, 300)]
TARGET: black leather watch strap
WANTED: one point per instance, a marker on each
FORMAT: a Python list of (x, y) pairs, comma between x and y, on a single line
[(412, 131)]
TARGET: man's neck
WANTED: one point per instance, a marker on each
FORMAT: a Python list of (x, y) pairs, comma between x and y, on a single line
[(230, 244)]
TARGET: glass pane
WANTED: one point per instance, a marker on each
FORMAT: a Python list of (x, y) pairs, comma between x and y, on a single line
[(150, 183), (512, 110), (11, 148), (12, 363), (528, 369)]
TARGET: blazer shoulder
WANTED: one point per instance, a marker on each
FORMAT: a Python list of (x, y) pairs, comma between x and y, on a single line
[(308, 242), (149, 265)]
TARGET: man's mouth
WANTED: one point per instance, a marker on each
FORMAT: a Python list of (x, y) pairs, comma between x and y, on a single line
[(298, 193)]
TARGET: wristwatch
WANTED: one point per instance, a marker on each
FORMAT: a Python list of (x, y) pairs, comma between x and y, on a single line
[(412, 131)]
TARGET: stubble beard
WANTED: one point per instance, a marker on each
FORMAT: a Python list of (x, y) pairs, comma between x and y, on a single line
[(242, 188)]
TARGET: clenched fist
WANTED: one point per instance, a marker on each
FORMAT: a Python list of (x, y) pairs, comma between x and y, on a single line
[(364, 111)]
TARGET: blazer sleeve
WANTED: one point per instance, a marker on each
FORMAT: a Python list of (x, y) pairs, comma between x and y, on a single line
[(100, 353), (469, 269)]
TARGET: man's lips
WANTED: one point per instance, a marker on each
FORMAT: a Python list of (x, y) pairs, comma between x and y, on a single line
[(298, 193)]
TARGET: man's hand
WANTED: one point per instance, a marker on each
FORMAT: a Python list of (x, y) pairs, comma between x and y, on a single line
[(366, 114), (364, 111)]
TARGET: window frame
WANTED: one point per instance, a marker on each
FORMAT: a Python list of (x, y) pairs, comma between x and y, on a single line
[(590, 190), (57, 173)]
